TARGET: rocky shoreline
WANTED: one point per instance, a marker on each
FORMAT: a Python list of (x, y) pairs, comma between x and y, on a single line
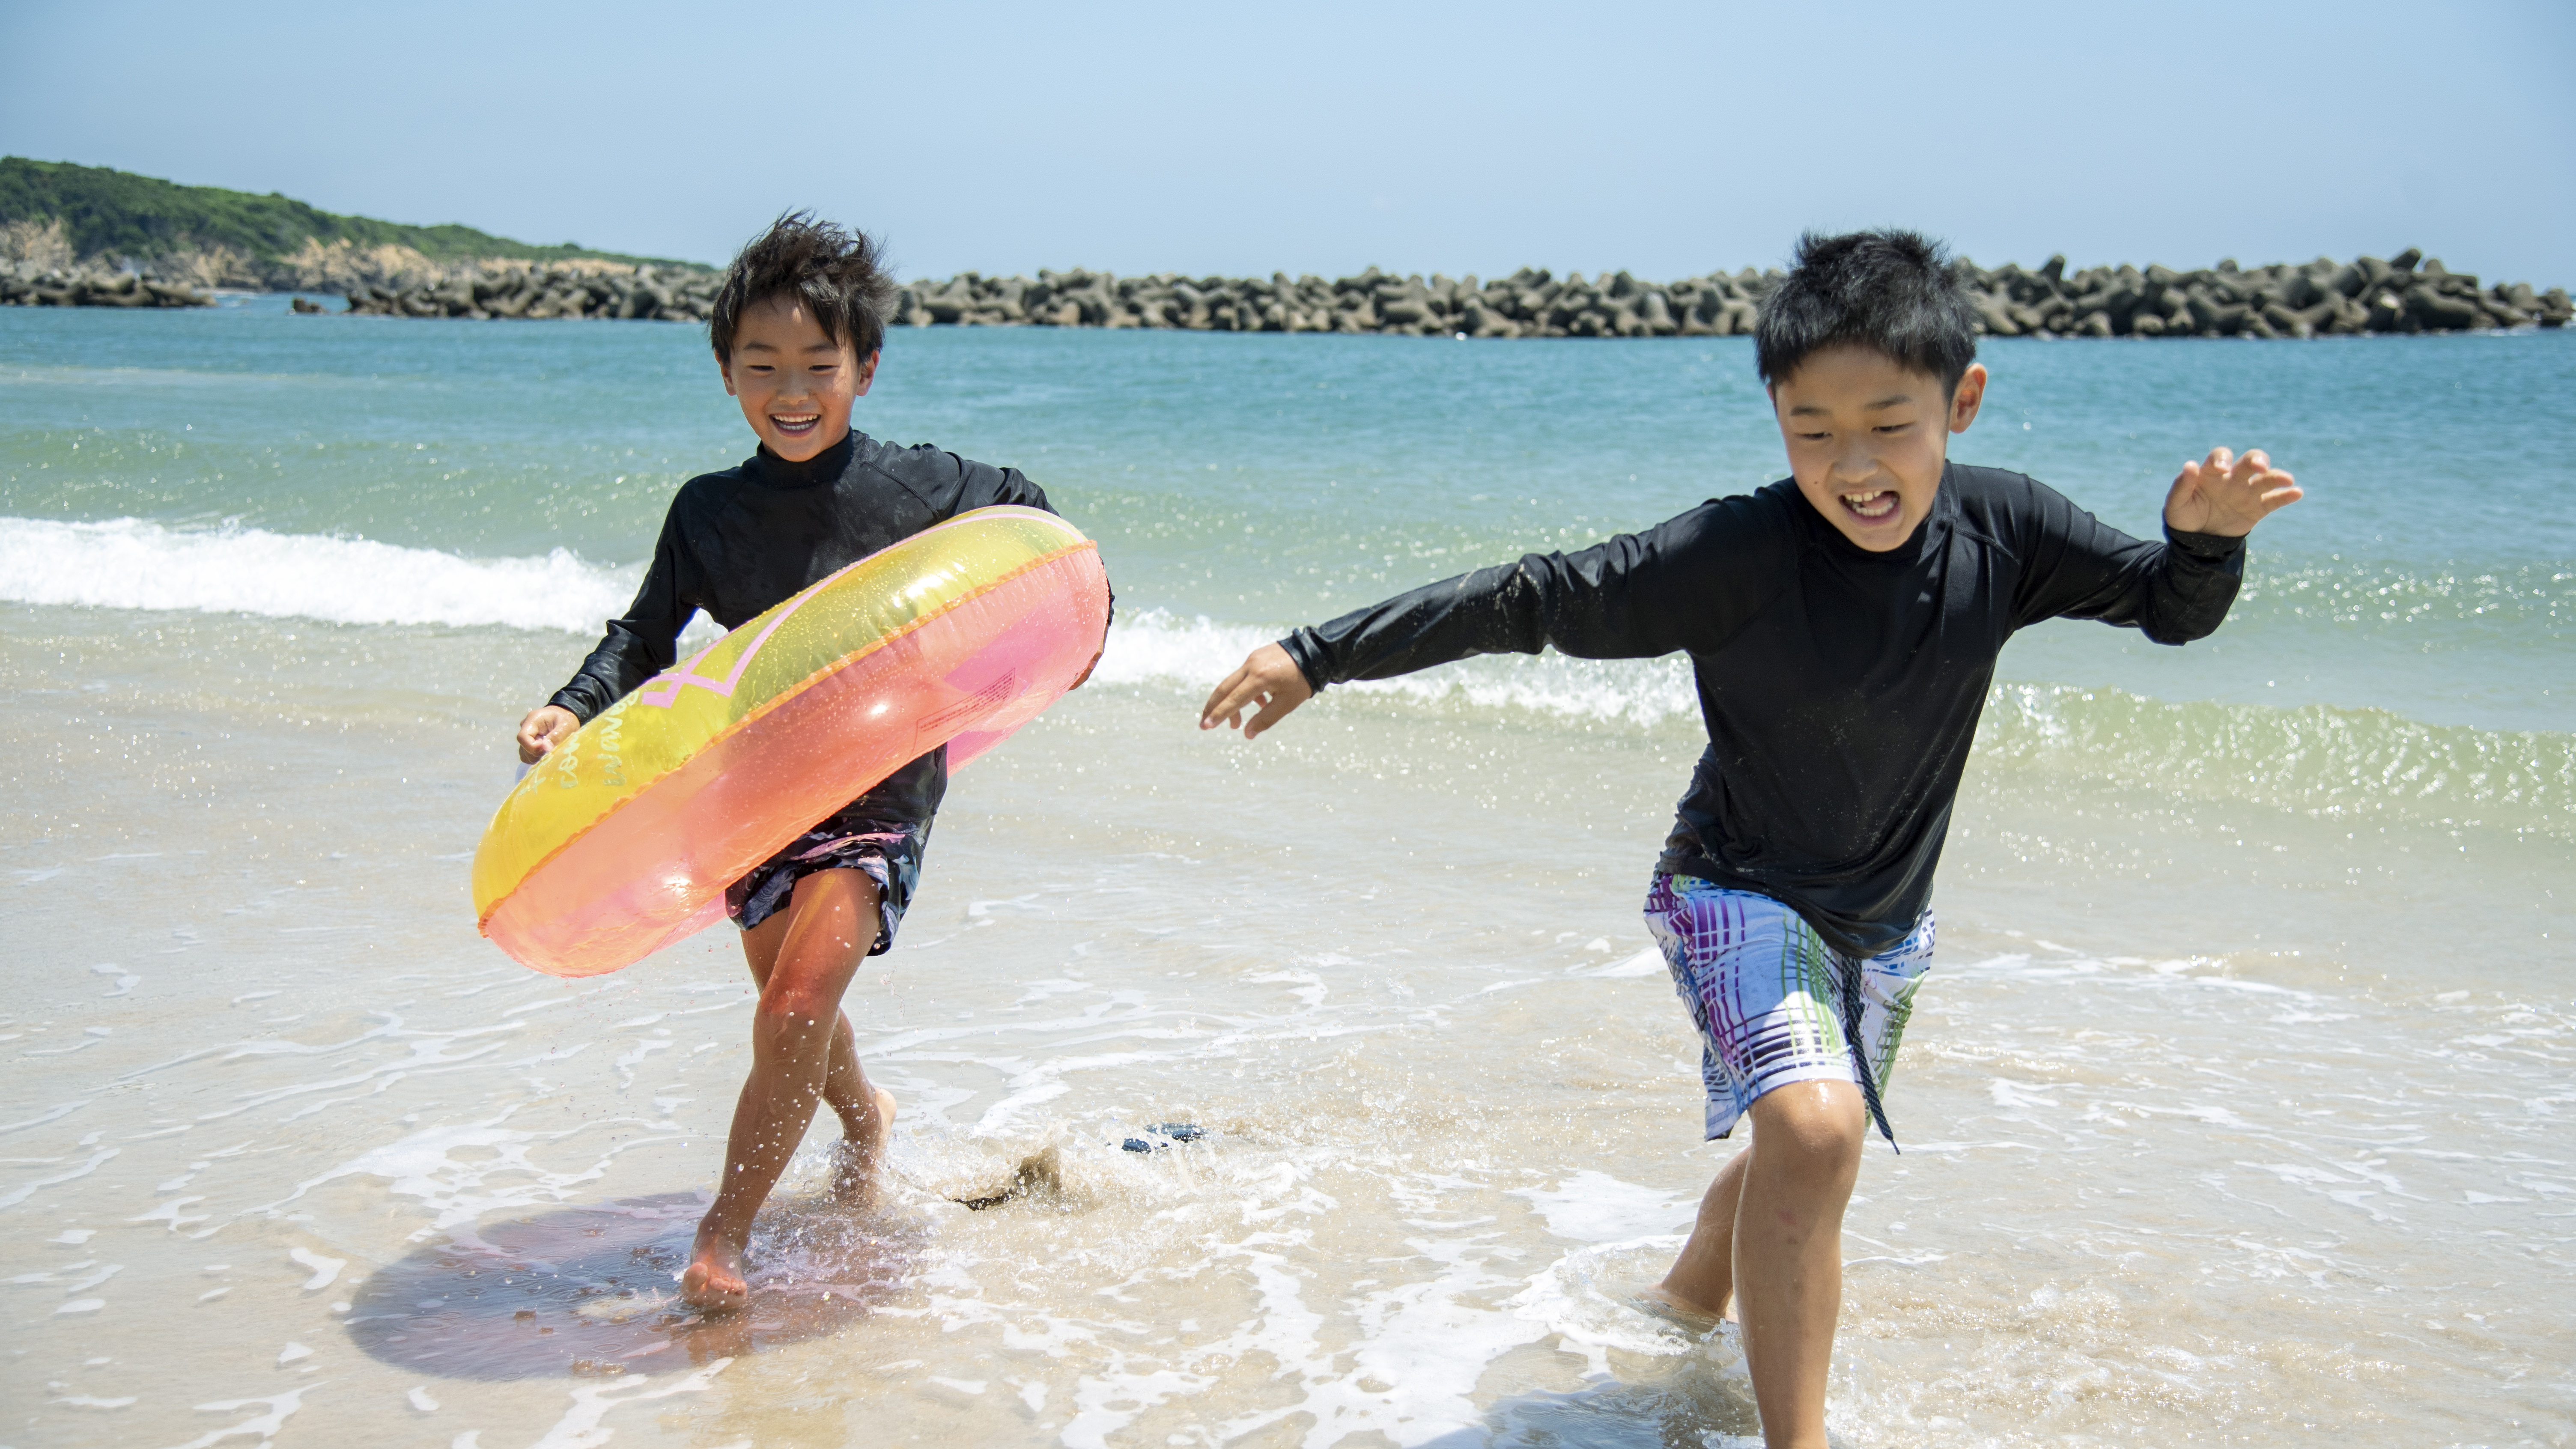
[(2404, 294), (558, 289), (29, 284), (2319, 298)]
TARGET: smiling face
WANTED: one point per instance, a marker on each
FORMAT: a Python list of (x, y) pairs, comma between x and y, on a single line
[(1867, 438), (795, 382)]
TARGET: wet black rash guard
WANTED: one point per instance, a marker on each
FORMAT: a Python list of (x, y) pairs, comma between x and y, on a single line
[(739, 541), (1840, 687)]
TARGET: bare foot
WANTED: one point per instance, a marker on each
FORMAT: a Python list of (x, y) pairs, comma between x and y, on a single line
[(855, 1184), (1664, 1303), (713, 1280)]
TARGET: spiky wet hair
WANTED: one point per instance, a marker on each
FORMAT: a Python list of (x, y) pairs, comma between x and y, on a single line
[(1895, 291), (838, 275)]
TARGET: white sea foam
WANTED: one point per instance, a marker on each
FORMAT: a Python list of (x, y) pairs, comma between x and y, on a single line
[(580, 1426), (1157, 647), (130, 563), (1154, 646), (1586, 1299), (1594, 1207)]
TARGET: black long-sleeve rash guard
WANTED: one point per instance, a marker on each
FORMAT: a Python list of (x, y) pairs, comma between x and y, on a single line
[(739, 541), (1840, 687)]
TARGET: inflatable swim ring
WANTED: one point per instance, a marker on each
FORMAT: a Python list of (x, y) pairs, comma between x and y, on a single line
[(623, 839)]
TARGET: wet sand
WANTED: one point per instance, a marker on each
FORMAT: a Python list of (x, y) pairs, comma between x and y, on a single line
[(292, 1151)]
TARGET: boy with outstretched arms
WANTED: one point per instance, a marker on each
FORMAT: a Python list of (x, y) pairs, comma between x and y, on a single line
[(1843, 625), (796, 328)]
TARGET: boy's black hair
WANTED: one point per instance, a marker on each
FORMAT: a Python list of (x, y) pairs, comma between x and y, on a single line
[(838, 275), (1896, 291)]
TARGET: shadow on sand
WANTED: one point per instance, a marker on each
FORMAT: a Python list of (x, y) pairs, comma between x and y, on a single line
[(591, 1291)]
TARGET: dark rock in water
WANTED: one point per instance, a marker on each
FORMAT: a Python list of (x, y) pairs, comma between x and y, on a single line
[(523, 291), (2216, 318), (2441, 313), (1163, 1135), (1402, 311), (31, 284)]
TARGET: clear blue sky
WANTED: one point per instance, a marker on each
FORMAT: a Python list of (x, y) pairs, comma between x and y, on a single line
[(1324, 137)]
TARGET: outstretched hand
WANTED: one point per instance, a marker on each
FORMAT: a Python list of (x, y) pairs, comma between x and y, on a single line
[(1269, 682), (2228, 495)]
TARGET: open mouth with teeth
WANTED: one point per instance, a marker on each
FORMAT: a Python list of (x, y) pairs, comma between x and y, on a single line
[(1875, 506), (795, 425)]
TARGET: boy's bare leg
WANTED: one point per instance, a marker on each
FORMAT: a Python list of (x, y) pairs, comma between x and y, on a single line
[(803, 959), (866, 1110), (1703, 1276), (1788, 1280), (867, 1123)]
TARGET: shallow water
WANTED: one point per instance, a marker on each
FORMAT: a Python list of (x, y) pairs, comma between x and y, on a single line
[(2237, 1103)]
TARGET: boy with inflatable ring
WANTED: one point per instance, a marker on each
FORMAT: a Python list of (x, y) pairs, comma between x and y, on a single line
[(797, 328), (1843, 625)]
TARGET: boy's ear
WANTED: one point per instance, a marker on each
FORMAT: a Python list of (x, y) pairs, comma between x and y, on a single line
[(1969, 396), (724, 366), (867, 373)]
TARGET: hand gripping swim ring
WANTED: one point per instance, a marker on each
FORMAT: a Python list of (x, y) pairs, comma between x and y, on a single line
[(623, 839)]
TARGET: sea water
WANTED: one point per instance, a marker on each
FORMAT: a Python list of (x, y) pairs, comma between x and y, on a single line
[(2237, 1107)]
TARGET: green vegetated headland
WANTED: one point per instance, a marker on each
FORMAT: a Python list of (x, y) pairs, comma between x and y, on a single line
[(70, 218)]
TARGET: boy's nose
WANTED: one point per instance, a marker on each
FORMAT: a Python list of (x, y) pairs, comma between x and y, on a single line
[(1855, 463)]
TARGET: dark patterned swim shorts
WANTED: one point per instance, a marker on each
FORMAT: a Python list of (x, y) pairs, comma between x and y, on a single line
[(888, 850)]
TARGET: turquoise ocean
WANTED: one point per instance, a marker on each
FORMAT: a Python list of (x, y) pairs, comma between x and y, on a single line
[(2241, 1103)]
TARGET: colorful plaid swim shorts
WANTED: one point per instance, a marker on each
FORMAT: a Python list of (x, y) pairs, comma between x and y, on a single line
[(1773, 1003), (889, 851)]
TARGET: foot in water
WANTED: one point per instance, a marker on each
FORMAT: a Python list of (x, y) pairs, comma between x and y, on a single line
[(713, 1281), (1661, 1302), (855, 1183)]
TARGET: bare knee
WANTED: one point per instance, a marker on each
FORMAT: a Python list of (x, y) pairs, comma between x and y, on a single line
[(1812, 1127), (794, 1022)]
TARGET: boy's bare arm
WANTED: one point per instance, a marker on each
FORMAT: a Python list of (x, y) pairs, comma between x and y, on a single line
[(542, 730), (1268, 680), (2227, 495)]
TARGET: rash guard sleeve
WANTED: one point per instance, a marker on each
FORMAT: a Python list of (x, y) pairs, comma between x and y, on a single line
[(985, 486), (641, 643), (1681, 585), (950, 485), (2078, 567)]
